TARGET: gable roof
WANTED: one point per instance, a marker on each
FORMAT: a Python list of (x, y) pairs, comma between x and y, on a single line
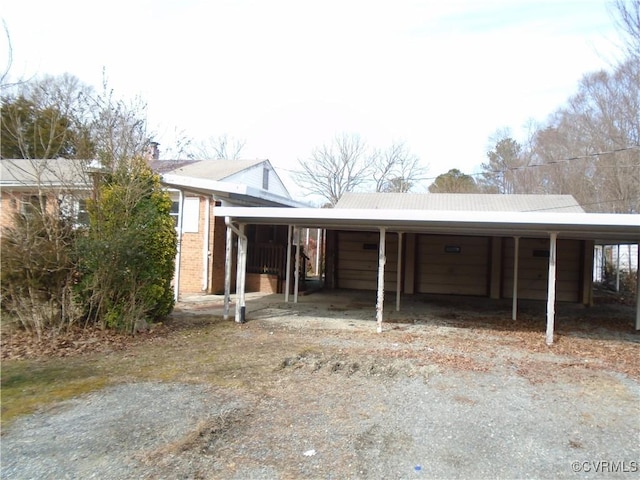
[(210, 169), (461, 202), (222, 178)]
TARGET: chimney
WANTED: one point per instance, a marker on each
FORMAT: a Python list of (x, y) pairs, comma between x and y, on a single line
[(153, 152)]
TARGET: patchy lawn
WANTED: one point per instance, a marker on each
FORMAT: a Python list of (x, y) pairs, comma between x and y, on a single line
[(310, 390)]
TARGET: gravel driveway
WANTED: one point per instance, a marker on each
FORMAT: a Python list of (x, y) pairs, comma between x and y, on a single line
[(353, 405)]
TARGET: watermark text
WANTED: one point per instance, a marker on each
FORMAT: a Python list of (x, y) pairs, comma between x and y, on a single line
[(606, 466)]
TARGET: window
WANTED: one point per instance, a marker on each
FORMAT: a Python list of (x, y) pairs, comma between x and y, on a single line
[(31, 205), (175, 212), (190, 216), (82, 214)]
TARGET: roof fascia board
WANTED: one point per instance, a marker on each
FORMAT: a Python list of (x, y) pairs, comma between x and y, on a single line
[(592, 225), (227, 190)]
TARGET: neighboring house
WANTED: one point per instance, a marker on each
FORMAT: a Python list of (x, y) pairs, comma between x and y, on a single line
[(53, 184), (196, 187)]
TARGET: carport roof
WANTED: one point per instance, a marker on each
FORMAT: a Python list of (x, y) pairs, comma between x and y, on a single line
[(600, 227), (462, 202)]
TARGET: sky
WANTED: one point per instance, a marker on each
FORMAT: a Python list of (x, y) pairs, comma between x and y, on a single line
[(288, 76)]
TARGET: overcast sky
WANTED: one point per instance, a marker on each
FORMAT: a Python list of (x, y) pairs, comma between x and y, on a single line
[(288, 76)]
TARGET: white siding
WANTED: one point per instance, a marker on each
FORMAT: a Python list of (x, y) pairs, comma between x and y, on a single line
[(253, 177)]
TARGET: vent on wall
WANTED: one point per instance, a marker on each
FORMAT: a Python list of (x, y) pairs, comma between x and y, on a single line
[(452, 249)]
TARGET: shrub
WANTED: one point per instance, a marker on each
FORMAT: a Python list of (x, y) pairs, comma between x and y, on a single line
[(127, 258), (38, 271)]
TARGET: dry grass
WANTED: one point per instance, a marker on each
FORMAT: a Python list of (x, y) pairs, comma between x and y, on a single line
[(202, 348)]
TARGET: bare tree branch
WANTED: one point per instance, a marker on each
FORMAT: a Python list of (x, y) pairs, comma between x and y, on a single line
[(336, 168)]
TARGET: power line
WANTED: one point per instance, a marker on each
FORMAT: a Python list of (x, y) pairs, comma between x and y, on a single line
[(589, 204), (555, 162)]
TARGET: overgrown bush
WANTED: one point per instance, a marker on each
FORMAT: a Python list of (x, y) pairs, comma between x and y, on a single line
[(38, 271), (626, 280), (127, 258)]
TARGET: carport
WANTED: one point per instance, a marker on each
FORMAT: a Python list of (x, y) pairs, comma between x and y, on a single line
[(600, 228)]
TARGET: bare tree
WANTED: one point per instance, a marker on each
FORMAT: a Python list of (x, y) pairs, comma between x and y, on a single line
[(4, 75), (627, 16), (336, 168), (118, 128), (589, 148), (396, 169), (218, 148)]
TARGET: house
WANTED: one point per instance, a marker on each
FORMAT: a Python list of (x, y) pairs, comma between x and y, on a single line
[(58, 183), (197, 188), (499, 246)]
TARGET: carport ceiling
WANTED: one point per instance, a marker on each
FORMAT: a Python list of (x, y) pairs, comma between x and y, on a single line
[(604, 228)]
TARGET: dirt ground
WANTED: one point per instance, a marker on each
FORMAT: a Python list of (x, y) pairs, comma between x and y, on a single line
[(452, 388)]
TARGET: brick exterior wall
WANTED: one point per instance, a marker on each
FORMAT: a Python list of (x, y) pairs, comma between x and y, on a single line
[(8, 207), (262, 282), (191, 254)]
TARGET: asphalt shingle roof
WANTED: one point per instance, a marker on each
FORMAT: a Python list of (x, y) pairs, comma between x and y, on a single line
[(54, 171), (209, 169)]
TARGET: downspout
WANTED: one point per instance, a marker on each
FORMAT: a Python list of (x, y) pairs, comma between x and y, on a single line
[(176, 276), (205, 249), (240, 270)]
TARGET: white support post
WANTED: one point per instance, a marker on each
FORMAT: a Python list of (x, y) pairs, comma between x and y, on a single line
[(551, 288), (227, 268), (618, 268), (241, 275), (318, 250), (516, 257), (296, 274), (637, 286), (205, 245), (306, 244), (288, 273), (399, 272), (176, 276), (381, 261)]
